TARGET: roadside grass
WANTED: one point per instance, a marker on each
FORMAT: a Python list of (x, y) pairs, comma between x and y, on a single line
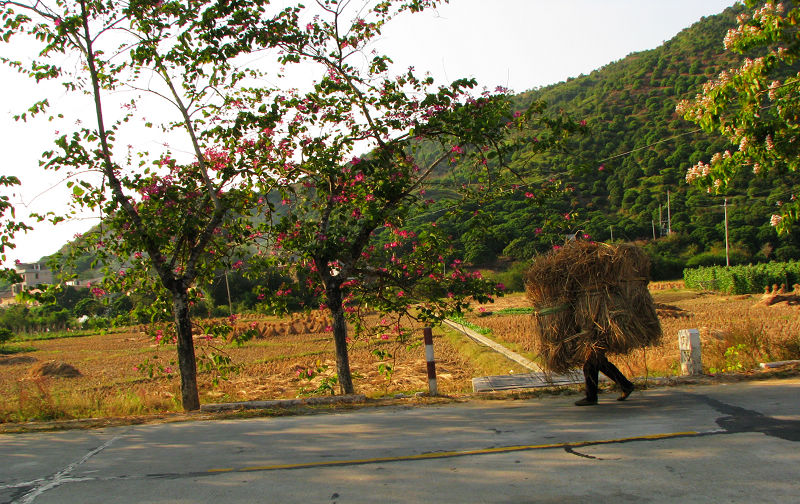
[(8, 349), (484, 358), (50, 335)]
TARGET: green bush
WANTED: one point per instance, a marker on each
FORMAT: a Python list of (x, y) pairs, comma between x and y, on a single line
[(666, 268), (514, 277), (717, 259)]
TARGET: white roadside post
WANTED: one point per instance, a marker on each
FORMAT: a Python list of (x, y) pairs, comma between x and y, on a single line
[(689, 344), (427, 335)]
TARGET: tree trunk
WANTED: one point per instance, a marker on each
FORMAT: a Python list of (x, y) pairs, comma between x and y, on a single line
[(340, 339), (186, 358)]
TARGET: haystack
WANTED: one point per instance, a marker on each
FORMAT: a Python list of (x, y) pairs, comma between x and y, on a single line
[(53, 368), (590, 297)]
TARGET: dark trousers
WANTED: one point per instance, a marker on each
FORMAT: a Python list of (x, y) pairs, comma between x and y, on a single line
[(597, 363)]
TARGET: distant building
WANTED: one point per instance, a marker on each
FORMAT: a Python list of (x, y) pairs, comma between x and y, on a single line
[(32, 274), (7, 297), (86, 282)]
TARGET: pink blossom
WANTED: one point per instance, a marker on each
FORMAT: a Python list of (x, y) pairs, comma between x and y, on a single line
[(457, 149), (237, 265), (601, 167), (355, 160), (529, 195)]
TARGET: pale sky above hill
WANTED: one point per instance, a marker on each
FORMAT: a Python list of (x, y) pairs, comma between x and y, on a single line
[(519, 44)]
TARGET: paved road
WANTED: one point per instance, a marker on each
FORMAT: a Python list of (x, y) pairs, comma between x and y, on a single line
[(723, 443)]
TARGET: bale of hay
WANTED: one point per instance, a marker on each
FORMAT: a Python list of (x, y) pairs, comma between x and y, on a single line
[(54, 368), (19, 359), (590, 297)]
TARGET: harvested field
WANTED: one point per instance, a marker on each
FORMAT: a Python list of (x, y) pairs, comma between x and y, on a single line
[(110, 384)]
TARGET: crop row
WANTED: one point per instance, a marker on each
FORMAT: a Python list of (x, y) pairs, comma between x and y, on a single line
[(749, 279)]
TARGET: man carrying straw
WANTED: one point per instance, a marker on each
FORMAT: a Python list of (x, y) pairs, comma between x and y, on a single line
[(591, 299)]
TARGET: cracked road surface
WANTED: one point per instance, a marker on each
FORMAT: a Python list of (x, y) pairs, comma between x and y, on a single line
[(719, 443)]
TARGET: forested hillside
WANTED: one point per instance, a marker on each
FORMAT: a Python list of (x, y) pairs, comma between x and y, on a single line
[(627, 175)]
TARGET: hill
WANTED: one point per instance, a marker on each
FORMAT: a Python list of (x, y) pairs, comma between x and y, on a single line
[(627, 175)]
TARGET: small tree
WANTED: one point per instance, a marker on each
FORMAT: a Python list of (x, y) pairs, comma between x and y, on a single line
[(168, 223), (5, 334), (369, 146), (755, 105), (9, 227)]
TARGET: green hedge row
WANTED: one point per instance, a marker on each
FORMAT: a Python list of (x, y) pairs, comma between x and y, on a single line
[(750, 279)]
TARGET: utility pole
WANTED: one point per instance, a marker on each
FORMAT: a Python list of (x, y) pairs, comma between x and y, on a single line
[(727, 258), (669, 217), (660, 221), (653, 224), (612, 233)]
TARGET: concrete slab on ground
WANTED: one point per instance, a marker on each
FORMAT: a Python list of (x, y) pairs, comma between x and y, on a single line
[(527, 380)]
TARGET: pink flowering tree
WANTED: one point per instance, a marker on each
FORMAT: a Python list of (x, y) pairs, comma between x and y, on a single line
[(370, 147), (754, 105), (171, 217)]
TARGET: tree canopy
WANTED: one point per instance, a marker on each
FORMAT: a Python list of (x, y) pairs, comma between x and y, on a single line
[(754, 105)]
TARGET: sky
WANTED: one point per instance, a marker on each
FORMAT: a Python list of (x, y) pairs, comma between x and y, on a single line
[(518, 44)]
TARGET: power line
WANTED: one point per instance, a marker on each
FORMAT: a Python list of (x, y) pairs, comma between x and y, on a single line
[(650, 145)]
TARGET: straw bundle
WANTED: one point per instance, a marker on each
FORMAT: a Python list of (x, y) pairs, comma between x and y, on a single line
[(591, 297)]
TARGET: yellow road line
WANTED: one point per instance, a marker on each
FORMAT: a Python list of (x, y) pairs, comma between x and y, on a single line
[(459, 453)]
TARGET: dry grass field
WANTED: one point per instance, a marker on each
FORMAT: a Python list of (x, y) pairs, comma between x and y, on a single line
[(736, 333), (111, 385)]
